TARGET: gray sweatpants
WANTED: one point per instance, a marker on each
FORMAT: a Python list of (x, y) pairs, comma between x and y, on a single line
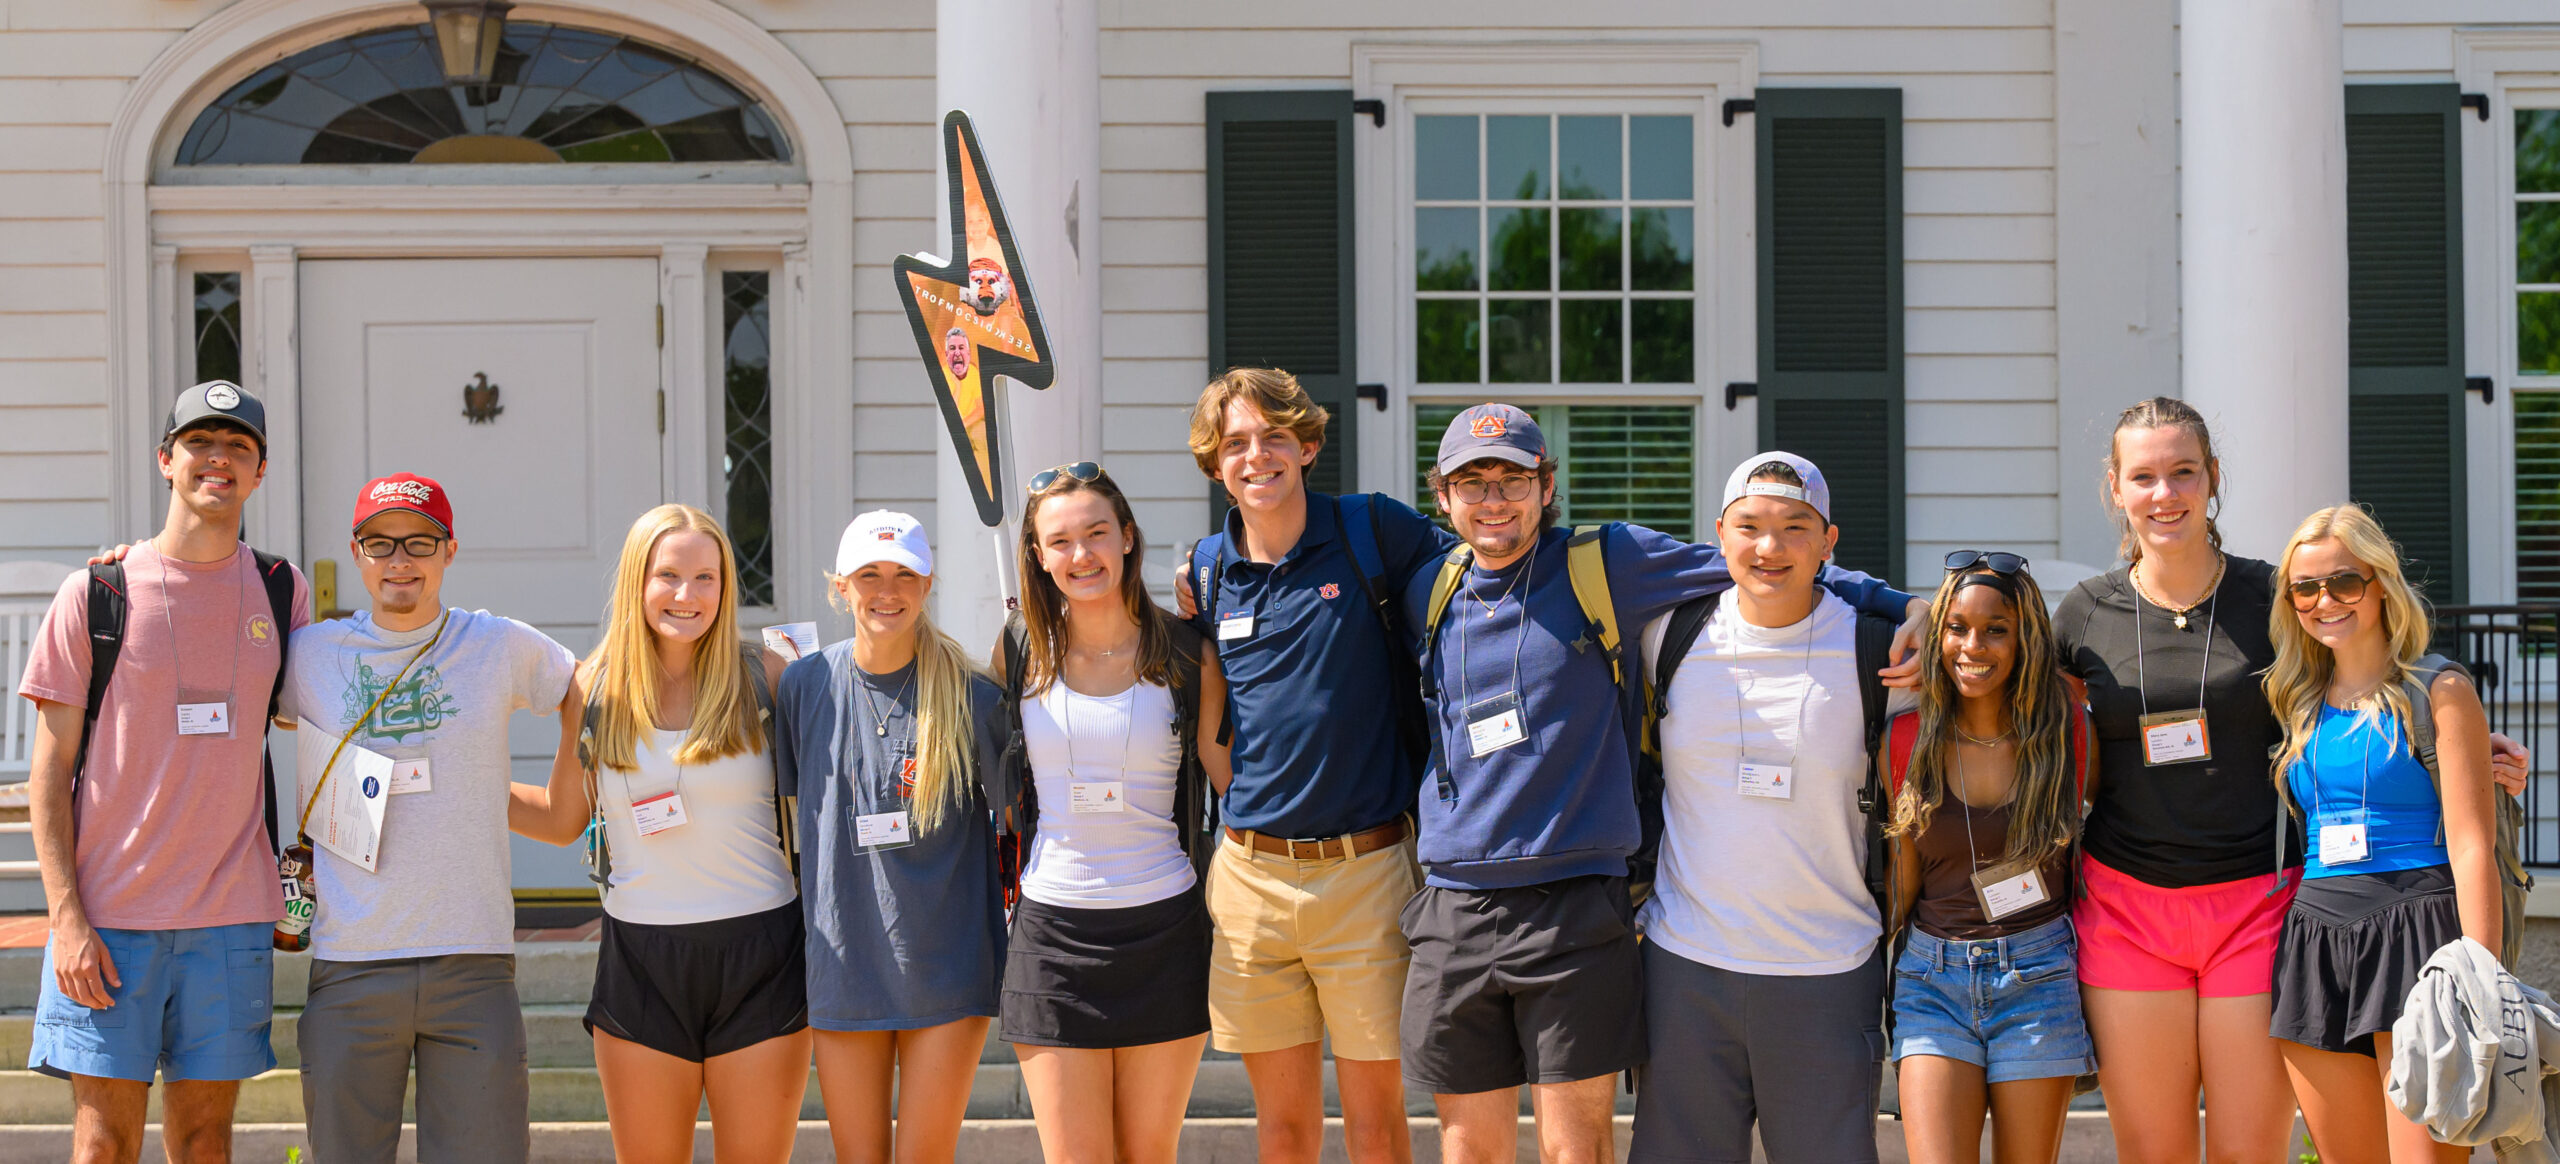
[(457, 1015), (1800, 1056)]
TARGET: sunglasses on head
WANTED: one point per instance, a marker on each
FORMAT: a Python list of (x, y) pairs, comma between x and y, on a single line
[(1997, 561), (1085, 471), (2346, 586)]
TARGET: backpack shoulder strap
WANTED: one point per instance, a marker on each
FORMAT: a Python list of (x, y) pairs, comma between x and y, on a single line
[(1679, 636), (1586, 565), (1453, 571), (1360, 536), (1902, 738), (107, 609), (2421, 727), (599, 854), (1874, 638), (1204, 573), (278, 576)]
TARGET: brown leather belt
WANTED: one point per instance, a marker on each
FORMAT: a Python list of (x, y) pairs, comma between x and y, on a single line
[(1325, 848)]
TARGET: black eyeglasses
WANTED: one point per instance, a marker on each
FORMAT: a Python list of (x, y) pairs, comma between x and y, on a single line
[(1473, 490), (1085, 471), (1999, 561), (418, 545), (2346, 586)]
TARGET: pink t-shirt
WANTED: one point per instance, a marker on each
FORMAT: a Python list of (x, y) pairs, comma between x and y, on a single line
[(168, 832)]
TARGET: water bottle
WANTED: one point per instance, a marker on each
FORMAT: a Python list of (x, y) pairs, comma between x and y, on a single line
[(301, 899)]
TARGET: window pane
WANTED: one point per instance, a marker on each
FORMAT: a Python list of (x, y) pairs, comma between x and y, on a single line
[(1515, 150), (2538, 333), (2538, 496), (2538, 242), (748, 460), (1520, 250), (1666, 331), (1589, 240), (2538, 151), (1587, 157), (1632, 463), (1658, 161), (217, 326), (1519, 328), (1446, 332), (1591, 338), (1444, 157), (1444, 249), (1664, 255)]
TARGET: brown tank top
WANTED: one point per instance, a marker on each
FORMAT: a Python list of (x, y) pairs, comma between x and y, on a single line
[(1948, 907)]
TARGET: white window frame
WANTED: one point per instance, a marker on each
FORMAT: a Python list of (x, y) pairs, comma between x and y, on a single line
[(2516, 69), (1688, 77)]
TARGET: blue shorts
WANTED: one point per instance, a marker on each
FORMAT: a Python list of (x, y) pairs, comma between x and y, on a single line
[(2010, 1006), (194, 1004)]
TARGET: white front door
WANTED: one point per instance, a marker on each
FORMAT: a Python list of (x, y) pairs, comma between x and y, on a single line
[(529, 389)]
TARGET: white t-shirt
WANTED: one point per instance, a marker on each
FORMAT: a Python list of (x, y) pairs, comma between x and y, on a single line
[(442, 882), (1760, 884), (1123, 849), (724, 861)]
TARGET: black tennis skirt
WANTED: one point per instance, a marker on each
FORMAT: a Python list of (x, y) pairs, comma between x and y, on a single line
[(2350, 952), (704, 988), (1098, 978)]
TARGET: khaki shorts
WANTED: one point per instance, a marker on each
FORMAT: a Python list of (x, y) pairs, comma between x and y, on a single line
[(1307, 949)]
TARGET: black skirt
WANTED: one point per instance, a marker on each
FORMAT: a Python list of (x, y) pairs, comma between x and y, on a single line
[(1097, 978), (705, 988), (2350, 952)]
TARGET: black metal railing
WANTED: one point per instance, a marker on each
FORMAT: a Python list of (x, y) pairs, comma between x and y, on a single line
[(2514, 655)]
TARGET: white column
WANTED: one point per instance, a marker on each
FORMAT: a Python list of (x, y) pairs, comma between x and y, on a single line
[(271, 365), (2263, 279), (1028, 72)]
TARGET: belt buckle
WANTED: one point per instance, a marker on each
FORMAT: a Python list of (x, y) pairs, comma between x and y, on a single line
[(1317, 845)]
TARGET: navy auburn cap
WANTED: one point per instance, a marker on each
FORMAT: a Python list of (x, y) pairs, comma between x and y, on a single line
[(1498, 431), (218, 402)]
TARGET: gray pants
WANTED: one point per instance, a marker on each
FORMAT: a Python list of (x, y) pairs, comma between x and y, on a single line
[(458, 1016), (1801, 1056)]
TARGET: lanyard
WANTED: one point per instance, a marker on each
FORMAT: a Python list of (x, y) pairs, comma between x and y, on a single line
[(861, 687), (1742, 690), (1067, 696), (1465, 698), (178, 658), (303, 827), (2140, 685), (2364, 787)]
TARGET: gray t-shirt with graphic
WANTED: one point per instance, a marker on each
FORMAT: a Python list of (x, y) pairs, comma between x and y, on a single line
[(442, 882)]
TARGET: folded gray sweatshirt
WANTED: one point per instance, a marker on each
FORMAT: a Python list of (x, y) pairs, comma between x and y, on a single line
[(2475, 1056)]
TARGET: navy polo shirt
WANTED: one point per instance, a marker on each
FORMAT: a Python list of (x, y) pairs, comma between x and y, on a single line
[(1311, 689)]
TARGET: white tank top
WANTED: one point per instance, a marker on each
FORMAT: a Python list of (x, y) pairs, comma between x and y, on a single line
[(1115, 757), (724, 861)]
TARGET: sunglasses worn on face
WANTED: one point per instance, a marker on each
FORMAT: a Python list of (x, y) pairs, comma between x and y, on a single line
[(1473, 490), (1999, 561), (1085, 471), (418, 545), (2346, 586)]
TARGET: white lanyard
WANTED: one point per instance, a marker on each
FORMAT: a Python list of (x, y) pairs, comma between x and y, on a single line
[(1742, 690), (178, 657), (2141, 684), (1465, 698)]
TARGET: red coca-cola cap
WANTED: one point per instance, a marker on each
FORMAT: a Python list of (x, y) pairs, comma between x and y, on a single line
[(409, 491)]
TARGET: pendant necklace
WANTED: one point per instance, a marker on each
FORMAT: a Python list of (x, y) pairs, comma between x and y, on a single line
[(2178, 615)]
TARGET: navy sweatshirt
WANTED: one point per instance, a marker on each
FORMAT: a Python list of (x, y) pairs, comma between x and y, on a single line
[(1561, 802)]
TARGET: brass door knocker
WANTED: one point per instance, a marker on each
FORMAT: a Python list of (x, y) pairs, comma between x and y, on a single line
[(480, 400)]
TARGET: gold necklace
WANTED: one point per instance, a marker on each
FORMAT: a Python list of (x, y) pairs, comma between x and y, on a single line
[(1978, 741), (2178, 614)]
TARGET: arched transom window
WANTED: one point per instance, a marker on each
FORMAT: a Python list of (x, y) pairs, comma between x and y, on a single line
[(557, 94)]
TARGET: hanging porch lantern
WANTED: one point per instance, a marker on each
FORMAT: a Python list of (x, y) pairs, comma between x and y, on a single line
[(467, 34)]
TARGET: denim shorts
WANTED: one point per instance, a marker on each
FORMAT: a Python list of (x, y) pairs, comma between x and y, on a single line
[(192, 1004), (2010, 1006)]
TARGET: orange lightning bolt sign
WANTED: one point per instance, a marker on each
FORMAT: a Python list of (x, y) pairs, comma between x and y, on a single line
[(974, 317)]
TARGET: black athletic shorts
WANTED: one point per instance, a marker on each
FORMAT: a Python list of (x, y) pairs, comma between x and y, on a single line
[(1539, 984), (1120, 977), (705, 988)]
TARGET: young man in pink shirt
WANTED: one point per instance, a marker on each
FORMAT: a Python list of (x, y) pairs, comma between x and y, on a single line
[(153, 843)]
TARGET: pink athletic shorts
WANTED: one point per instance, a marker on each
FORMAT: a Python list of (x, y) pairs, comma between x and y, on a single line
[(2217, 940)]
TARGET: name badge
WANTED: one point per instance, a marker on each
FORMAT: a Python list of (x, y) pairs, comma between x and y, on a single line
[(1235, 624), (2343, 840), (1095, 796), (2002, 896), (2175, 737), (1495, 723), (1768, 781), (409, 776), (204, 719), (881, 830), (657, 814)]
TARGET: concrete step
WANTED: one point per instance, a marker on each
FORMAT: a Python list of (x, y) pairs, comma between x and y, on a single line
[(1204, 1141)]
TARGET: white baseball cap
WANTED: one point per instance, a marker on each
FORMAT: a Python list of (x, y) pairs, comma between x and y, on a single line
[(884, 535), (1814, 492)]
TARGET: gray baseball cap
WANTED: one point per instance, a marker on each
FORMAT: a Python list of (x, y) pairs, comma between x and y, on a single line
[(1498, 431), (1815, 491), (218, 401)]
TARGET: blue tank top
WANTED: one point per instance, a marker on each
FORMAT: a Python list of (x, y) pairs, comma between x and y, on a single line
[(2359, 761)]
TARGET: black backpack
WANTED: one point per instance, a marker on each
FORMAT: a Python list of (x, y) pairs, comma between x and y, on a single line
[(107, 610)]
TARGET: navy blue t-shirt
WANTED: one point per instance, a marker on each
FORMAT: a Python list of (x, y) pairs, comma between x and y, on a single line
[(1311, 689), (1561, 802)]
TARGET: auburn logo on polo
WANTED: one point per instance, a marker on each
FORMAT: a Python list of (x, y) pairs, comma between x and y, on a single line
[(1490, 426), (1329, 590), (414, 492)]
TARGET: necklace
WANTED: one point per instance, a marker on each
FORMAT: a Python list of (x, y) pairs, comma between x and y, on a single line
[(880, 719), (2178, 614), (1978, 741), (1120, 648)]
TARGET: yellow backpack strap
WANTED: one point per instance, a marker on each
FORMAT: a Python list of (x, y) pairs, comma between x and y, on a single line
[(1590, 575), (1453, 570)]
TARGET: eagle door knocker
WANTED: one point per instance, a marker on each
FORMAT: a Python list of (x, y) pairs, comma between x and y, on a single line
[(480, 400)]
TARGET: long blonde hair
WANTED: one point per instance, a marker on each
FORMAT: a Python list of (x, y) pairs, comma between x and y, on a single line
[(623, 669), (946, 757), (2044, 812), (2298, 684)]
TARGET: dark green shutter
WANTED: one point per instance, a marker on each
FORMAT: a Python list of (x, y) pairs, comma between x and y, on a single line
[(2404, 325), (1280, 257), (1830, 263)]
